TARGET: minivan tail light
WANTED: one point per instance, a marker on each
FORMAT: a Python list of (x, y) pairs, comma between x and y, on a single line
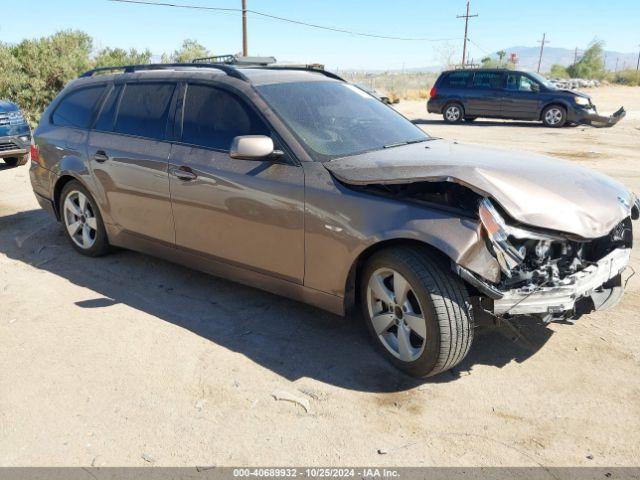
[(35, 153), (433, 92)]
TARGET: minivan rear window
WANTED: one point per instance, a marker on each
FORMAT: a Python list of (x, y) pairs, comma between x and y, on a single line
[(456, 79), (487, 80), (76, 109), (144, 109)]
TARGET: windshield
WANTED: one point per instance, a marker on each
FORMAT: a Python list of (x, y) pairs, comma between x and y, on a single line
[(336, 119), (543, 81)]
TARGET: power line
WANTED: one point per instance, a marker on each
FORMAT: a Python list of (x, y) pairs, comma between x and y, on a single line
[(466, 29), (282, 19)]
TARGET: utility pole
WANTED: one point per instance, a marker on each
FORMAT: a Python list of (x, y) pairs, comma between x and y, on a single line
[(466, 30), (638, 64), (575, 56), (245, 47), (617, 60), (542, 42)]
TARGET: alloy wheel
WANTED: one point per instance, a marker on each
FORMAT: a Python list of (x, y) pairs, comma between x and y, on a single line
[(80, 219), (453, 113), (553, 116), (396, 314)]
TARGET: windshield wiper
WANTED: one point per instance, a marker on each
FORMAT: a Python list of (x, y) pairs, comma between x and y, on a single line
[(408, 142)]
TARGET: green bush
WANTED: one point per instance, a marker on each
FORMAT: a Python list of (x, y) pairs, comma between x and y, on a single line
[(558, 71), (591, 65), (625, 77)]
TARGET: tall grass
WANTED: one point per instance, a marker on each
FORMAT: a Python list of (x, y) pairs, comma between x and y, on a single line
[(406, 86)]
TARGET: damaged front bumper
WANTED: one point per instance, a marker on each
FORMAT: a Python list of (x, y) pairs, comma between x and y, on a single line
[(598, 284), (590, 116)]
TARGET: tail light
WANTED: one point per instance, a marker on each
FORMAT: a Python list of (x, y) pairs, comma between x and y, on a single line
[(433, 92), (35, 153)]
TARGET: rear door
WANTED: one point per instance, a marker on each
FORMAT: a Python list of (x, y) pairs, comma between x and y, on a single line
[(484, 96), (129, 156), (244, 212), (521, 97)]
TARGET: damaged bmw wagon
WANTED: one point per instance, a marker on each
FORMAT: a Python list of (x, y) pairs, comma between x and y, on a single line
[(296, 182)]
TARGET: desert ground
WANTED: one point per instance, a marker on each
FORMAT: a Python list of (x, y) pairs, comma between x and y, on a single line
[(128, 360)]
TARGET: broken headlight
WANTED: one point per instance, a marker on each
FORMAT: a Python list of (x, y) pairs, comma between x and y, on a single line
[(508, 242)]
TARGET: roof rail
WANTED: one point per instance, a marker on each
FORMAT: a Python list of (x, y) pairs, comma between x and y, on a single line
[(306, 68), (228, 69), (238, 60)]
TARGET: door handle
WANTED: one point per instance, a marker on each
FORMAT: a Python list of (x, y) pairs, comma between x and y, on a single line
[(182, 174), (101, 156)]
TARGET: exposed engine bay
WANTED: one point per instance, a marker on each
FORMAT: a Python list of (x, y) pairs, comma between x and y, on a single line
[(550, 274)]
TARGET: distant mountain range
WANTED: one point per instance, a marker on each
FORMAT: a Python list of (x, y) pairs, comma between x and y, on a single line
[(528, 57), (528, 60)]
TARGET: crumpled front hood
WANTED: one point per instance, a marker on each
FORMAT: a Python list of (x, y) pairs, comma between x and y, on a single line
[(534, 189)]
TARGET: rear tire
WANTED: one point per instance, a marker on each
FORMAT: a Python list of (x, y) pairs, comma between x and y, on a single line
[(416, 310), (15, 161), (81, 220), (554, 116), (453, 113)]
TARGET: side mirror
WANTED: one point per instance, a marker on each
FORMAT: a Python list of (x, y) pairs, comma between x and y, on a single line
[(535, 87), (253, 147)]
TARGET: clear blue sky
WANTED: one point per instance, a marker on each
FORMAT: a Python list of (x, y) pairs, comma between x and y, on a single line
[(502, 23)]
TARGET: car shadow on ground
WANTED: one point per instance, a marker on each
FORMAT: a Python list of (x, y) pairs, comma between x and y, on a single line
[(291, 339)]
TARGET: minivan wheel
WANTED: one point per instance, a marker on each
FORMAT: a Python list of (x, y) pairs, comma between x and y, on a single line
[(82, 221), (554, 116), (417, 311), (453, 113)]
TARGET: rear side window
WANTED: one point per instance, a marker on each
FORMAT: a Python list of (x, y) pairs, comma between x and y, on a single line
[(105, 117), (76, 109), (456, 79), (144, 109), (487, 80), (213, 117)]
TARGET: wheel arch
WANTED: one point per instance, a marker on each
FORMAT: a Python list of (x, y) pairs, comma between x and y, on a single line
[(557, 103), (62, 180), (351, 291)]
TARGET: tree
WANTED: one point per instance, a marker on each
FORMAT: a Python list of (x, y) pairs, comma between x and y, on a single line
[(446, 54), (189, 50), (501, 54), (109, 57), (558, 71), (34, 71), (591, 65)]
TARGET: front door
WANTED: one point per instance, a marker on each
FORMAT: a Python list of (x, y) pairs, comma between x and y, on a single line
[(129, 157), (522, 97), (244, 212)]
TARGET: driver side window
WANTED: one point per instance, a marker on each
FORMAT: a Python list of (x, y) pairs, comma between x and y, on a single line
[(521, 83)]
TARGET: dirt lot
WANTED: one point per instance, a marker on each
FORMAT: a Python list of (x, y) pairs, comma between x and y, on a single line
[(129, 360)]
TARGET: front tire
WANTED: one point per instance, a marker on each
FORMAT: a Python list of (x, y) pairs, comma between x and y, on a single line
[(453, 113), (82, 221), (15, 161), (416, 310), (554, 116)]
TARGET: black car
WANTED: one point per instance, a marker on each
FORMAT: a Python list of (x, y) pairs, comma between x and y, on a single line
[(467, 94)]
